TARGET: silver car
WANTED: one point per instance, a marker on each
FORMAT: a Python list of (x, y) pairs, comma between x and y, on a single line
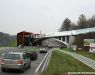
[(15, 60)]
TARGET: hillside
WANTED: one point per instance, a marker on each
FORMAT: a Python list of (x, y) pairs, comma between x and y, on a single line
[(7, 39)]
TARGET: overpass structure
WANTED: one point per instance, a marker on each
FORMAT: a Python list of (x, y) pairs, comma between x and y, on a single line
[(68, 37), (72, 32)]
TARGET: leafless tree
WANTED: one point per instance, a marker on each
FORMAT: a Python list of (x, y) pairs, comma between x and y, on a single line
[(91, 22), (73, 26), (82, 23)]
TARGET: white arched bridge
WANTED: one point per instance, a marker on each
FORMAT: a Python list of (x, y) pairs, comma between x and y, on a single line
[(67, 37)]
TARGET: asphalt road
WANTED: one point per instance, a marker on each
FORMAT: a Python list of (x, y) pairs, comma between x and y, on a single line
[(29, 71)]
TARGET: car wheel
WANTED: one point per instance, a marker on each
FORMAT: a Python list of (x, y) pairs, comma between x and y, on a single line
[(3, 69)]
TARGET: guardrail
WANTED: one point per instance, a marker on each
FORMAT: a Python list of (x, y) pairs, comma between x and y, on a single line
[(43, 65)]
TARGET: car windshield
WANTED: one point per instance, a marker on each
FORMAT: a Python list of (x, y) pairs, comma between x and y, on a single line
[(12, 56)]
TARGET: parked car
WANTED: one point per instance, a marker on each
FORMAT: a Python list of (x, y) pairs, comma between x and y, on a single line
[(15, 60)]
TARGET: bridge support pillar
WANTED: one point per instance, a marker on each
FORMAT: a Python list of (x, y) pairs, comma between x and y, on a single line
[(71, 40), (66, 39), (61, 38)]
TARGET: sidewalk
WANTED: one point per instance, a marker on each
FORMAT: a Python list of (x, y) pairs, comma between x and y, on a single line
[(85, 60)]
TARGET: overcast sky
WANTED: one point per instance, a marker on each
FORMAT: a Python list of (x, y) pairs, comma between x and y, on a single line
[(44, 15)]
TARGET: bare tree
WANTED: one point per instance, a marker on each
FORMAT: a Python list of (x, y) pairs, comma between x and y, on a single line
[(73, 26), (82, 23), (91, 22)]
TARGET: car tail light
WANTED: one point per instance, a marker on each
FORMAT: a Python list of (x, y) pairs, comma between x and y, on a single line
[(20, 61)]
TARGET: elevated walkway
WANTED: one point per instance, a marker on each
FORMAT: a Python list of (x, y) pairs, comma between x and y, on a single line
[(72, 32)]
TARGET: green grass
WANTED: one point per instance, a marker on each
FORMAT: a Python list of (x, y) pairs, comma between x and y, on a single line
[(13, 43), (32, 49), (61, 63), (83, 52), (29, 49), (35, 49)]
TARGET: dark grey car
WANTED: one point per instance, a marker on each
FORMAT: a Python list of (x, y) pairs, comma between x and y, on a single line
[(15, 60)]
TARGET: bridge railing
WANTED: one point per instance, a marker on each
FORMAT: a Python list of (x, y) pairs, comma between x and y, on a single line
[(43, 65)]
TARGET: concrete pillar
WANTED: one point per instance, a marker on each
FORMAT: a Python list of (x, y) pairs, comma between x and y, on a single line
[(71, 40), (61, 38), (66, 39)]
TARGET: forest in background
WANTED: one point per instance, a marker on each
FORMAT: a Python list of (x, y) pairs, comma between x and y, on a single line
[(82, 23), (7, 40)]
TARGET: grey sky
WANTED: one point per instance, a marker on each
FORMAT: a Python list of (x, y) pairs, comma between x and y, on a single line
[(44, 15)]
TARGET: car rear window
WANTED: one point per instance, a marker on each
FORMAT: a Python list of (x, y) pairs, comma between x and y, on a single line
[(12, 56)]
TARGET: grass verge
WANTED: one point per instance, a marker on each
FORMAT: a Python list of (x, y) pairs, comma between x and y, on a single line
[(61, 64)]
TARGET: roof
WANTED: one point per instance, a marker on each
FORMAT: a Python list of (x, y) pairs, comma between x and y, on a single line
[(25, 32)]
